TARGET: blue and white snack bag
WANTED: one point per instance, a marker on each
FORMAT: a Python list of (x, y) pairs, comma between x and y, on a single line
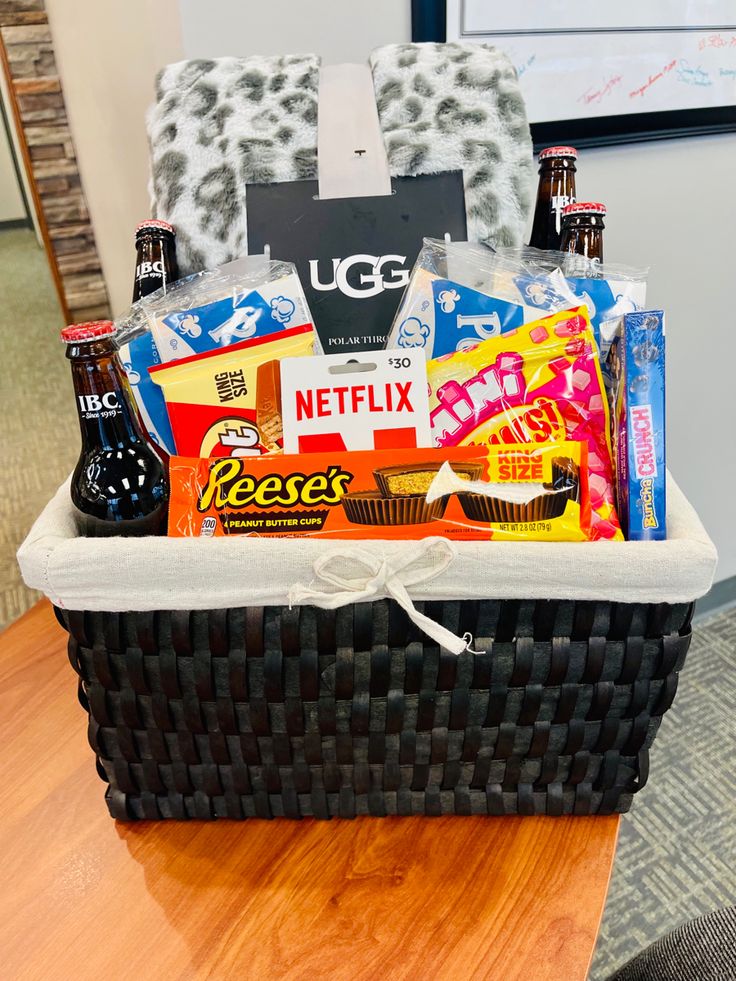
[(250, 297), (608, 290), (636, 363), (461, 293), (250, 310), (137, 356), (244, 313)]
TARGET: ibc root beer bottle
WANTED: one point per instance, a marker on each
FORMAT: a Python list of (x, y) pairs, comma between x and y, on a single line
[(582, 231), (556, 189), (155, 263), (119, 485)]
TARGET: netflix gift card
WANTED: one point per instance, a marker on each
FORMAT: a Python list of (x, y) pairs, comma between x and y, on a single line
[(372, 400)]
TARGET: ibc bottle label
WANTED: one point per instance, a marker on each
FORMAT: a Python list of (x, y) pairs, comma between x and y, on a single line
[(99, 406), (558, 202), (144, 270)]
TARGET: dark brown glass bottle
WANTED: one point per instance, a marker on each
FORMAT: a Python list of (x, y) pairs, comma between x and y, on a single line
[(582, 231), (556, 189), (155, 263), (119, 485)]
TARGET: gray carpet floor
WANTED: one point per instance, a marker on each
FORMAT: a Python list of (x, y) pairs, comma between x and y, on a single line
[(676, 855), (677, 849), (39, 437)]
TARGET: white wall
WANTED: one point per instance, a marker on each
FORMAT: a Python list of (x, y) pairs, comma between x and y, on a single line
[(108, 55), (337, 30), (11, 202), (16, 142), (672, 207)]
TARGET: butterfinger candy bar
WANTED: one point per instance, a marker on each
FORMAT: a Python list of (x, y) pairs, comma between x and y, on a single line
[(213, 398), (268, 406), (470, 492)]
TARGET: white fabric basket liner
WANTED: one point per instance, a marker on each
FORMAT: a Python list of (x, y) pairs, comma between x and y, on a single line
[(126, 574)]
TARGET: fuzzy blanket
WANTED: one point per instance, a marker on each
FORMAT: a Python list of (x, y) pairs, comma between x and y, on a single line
[(218, 125)]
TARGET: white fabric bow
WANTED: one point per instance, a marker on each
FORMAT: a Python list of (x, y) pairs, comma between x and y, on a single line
[(359, 575)]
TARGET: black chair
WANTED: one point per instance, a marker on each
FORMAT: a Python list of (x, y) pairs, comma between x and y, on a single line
[(703, 949)]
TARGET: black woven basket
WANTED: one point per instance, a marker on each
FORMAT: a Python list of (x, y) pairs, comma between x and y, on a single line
[(271, 712)]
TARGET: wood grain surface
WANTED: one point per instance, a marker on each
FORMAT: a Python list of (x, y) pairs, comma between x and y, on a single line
[(84, 897)]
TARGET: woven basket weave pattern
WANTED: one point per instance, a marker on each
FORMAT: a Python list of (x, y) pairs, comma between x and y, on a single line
[(273, 712)]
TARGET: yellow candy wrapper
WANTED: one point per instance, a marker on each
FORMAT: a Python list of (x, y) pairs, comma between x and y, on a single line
[(228, 402)]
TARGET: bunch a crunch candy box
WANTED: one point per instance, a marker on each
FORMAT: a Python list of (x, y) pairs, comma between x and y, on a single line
[(536, 384), (637, 361), (464, 492)]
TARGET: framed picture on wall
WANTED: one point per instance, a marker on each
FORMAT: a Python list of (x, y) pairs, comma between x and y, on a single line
[(594, 74)]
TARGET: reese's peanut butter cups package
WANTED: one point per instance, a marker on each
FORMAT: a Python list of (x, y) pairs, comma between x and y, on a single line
[(538, 383), (464, 492)]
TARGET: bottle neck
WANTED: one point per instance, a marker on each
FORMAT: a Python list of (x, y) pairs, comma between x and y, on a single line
[(155, 264), (104, 407), (556, 189), (584, 236), (559, 165)]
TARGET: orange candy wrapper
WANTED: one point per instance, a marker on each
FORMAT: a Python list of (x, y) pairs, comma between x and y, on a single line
[(471, 492), (229, 399), (541, 382)]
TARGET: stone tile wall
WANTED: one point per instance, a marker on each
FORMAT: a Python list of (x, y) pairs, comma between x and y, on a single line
[(35, 82)]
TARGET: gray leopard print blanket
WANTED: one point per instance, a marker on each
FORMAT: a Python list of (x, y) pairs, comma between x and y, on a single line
[(219, 125)]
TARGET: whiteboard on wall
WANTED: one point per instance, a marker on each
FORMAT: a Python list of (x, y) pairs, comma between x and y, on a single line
[(579, 60)]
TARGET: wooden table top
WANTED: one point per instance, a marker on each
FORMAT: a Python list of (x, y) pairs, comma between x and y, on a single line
[(374, 898)]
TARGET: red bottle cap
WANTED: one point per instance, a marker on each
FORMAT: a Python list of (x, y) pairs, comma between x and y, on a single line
[(584, 208), (162, 226), (558, 151), (87, 332)]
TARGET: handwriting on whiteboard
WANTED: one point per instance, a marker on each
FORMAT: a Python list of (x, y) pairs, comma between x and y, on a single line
[(564, 77), (692, 74), (717, 41), (521, 69), (598, 94), (653, 79)]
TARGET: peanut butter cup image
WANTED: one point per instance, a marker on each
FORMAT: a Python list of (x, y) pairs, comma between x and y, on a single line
[(543, 507), (398, 481), (371, 508), (565, 478)]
